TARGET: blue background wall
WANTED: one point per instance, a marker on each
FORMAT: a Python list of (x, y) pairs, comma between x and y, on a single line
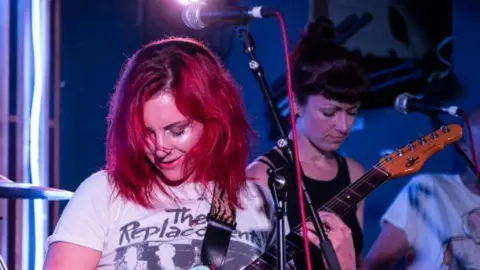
[(96, 40)]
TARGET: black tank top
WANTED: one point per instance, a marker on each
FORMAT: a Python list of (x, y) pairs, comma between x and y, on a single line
[(320, 192)]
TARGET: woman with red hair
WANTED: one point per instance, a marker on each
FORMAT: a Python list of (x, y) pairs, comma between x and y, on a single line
[(177, 131)]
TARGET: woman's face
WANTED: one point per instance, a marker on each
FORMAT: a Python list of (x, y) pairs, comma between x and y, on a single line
[(326, 123), (172, 135)]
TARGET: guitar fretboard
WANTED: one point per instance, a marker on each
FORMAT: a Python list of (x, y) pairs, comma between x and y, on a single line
[(341, 204)]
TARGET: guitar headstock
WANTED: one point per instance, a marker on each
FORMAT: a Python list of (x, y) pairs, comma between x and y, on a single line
[(411, 158)]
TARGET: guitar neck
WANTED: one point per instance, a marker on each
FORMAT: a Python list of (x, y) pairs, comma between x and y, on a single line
[(341, 204)]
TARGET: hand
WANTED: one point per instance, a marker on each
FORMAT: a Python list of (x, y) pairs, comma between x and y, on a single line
[(339, 234)]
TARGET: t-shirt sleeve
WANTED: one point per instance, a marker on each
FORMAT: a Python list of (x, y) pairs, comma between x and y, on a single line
[(84, 220), (407, 212), (260, 200)]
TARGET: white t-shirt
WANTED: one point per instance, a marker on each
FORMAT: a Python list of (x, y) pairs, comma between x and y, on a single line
[(441, 219), (132, 237)]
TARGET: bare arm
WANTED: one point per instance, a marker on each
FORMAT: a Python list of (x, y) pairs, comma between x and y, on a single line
[(389, 247), (257, 172), (62, 255), (78, 239)]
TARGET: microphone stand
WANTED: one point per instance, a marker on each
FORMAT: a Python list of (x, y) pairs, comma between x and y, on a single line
[(438, 123), (279, 182)]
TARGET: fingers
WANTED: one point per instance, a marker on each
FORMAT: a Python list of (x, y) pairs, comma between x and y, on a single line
[(310, 226), (312, 237), (332, 222), (335, 228), (311, 234)]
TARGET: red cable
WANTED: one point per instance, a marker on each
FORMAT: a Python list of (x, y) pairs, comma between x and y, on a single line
[(472, 145), (295, 141)]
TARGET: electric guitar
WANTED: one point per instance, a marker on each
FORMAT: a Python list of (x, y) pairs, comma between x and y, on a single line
[(404, 161)]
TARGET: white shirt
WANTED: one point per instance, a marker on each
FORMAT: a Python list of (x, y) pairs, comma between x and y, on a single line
[(441, 219), (132, 237)]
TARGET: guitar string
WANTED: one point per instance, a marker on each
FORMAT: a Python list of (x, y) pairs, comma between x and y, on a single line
[(332, 203), (329, 204)]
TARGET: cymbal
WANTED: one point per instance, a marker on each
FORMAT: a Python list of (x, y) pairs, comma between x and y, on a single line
[(13, 190)]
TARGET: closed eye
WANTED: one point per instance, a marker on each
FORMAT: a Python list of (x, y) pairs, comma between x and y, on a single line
[(353, 113), (179, 129), (177, 133)]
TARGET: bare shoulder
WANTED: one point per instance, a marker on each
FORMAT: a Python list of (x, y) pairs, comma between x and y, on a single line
[(257, 171), (356, 169)]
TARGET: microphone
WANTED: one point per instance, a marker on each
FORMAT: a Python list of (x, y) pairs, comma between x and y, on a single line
[(198, 16), (406, 103)]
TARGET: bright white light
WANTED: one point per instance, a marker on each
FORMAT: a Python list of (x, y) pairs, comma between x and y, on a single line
[(187, 2), (40, 69)]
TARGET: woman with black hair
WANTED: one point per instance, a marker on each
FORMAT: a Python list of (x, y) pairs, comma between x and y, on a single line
[(329, 83)]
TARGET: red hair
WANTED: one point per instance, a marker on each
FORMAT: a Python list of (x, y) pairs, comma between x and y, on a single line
[(203, 92)]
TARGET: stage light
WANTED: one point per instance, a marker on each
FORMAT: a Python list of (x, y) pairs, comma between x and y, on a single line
[(187, 2), (39, 42)]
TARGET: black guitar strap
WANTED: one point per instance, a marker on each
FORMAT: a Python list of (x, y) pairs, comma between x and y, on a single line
[(221, 222)]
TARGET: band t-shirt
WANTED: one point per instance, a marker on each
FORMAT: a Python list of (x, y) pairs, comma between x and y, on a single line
[(168, 237), (441, 219)]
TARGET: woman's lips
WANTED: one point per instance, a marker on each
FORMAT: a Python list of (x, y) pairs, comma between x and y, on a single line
[(337, 140), (169, 164)]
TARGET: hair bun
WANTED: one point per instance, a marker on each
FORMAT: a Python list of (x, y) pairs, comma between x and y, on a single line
[(321, 30)]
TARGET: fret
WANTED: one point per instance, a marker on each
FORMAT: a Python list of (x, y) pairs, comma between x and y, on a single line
[(324, 208), (362, 187), (263, 262), (341, 200), (337, 207), (349, 193), (270, 260), (350, 196), (355, 192), (379, 176)]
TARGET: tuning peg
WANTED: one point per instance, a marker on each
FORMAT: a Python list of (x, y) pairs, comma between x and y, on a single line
[(434, 135), (422, 140), (445, 129), (411, 146)]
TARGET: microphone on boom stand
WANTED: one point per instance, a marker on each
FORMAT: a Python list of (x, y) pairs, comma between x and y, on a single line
[(199, 16)]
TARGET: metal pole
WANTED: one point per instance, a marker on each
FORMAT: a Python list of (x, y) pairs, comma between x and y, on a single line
[(56, 38), (4, 113), (24, 85)]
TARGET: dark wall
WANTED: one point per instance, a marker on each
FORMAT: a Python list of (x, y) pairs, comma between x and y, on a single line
[(96, 40), (466, 53)]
